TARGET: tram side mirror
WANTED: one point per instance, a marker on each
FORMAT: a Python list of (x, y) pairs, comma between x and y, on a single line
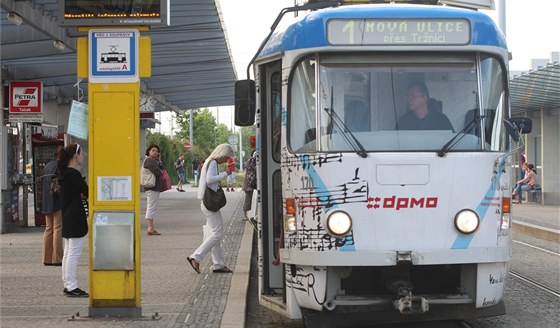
[(523, 124), (518, 125), (244, 102), (511, 130)]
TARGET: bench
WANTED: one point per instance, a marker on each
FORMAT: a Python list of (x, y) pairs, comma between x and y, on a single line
[(535, 194)]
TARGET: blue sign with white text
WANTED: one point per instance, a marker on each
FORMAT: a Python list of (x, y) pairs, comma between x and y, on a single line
[(113, 56)]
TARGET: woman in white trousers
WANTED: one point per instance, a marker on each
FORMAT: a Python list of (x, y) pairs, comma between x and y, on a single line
[(211, 177), (74, 216)]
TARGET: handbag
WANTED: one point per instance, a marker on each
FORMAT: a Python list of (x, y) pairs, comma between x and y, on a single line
[(165, 180), (147, 178), (214, 200)]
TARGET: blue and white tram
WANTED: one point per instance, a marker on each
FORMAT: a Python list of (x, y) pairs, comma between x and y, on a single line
[(362, 216)]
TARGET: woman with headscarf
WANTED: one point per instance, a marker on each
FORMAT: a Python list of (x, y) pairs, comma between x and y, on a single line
[(211, 177)]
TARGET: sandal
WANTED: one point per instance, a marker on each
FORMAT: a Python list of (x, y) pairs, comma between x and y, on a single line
[(223, 269), (516, 202), (153, 233), (194, 264)]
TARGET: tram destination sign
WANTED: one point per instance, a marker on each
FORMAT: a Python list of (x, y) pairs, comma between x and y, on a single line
[(399, 31)]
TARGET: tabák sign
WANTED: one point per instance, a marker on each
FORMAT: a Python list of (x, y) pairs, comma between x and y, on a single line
[(26, 97)]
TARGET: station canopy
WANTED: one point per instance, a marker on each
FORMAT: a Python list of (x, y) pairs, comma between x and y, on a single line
[(536, 90), (192, 65)]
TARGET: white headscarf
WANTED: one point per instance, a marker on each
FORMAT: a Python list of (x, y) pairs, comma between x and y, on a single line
[(223, 150)]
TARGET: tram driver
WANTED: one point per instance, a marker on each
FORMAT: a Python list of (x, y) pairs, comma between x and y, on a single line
[(419, 116)]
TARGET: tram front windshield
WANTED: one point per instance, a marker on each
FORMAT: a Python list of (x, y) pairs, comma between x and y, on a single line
[(397, 103)]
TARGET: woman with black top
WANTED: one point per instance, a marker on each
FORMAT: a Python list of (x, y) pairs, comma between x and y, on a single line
[(74, 192)]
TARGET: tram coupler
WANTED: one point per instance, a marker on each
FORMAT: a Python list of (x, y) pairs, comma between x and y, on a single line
[(410, 304)]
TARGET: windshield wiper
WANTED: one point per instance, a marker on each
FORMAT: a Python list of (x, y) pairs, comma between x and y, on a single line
[(335, 119), (456, 138)]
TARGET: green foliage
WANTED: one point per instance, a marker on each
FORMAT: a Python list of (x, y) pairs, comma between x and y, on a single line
[(206, 134), (246, 133), (170, 150)]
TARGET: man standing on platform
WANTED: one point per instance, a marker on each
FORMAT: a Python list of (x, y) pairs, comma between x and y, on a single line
[(180, 168), (195, 170)]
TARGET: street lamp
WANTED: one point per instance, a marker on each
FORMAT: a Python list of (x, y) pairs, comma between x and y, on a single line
[(14, 18)]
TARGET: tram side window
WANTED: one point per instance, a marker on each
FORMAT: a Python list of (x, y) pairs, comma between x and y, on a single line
[(302, 111), (494, 103)]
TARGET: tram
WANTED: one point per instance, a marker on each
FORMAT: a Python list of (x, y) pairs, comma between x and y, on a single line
[(384, 143)]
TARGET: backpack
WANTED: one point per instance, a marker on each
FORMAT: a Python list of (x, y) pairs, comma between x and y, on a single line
[(55, 186)]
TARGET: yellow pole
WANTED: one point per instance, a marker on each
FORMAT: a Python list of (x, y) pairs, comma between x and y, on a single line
[(113, 177)]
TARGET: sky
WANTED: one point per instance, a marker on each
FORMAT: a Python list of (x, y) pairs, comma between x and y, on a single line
[(532, 32)]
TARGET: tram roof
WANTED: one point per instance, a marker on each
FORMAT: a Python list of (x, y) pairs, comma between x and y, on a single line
[(536, 90), (289, 36), (191, 62)]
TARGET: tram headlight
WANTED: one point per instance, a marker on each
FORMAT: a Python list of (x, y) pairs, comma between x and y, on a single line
[(467, 221), (338, 223)]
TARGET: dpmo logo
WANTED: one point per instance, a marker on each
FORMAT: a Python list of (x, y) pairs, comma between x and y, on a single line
[(399, 203)]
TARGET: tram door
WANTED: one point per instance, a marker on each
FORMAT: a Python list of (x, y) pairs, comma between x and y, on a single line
[(271, 194)]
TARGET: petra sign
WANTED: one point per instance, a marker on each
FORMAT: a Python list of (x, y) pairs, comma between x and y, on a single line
[(26, 97)]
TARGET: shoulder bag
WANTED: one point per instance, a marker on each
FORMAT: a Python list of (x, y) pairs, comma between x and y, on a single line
[(147, 178), (165, 180), (214, 200)]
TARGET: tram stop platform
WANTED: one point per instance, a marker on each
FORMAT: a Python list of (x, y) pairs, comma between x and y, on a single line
[(172, 294), (541, 221)]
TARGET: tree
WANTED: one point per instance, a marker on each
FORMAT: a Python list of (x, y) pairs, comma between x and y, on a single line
[(206, 132), (169, 151), (203, 125), (246, 133)]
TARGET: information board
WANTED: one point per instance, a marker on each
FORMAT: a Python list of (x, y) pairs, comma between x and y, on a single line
[(110, 13), (399, 31), (113, 56)]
